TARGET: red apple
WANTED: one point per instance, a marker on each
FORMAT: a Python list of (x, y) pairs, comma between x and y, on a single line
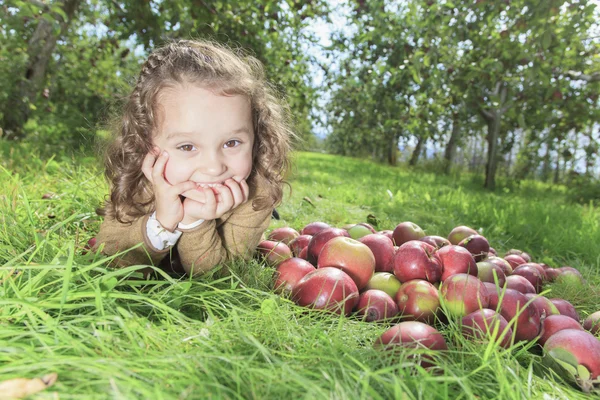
[(376, 305), (519, 283), (313, 228), (406, 231), (418, 300), (578, 353), (318, 241), (554, 323), (566, 308), (351, 256), (462, 294), (514, 260), (532, 274), (552, 273), (515, 308), (413, 334), (284, 234), (502, 263), (303, 253), (383, 250), (477, 245), (384, 281), (436, 241), (493, 252), (493, 292), (592, 323), (520, 253), (297, 244), (456, 260), (273, 252), (417, 260), (459, 233), (327, 289), (490, 272), (487, 324), (388, 233), (538, 267), (289, 273), (543, 304), (89, 245)]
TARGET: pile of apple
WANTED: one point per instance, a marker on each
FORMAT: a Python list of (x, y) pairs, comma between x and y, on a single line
[(417, 281)]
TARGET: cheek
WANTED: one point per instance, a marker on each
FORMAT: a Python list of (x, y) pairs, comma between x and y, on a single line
[(175, 172)]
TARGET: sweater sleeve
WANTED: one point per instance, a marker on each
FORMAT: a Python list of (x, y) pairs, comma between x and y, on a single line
[(236, 234), (115, 237)]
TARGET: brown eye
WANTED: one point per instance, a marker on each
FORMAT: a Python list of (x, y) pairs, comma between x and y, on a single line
[(232, 143), (186, 147)]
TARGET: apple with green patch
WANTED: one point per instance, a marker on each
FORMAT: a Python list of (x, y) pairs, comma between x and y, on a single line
[(462, 294), (418, 300), (351, 256), (384, 281)]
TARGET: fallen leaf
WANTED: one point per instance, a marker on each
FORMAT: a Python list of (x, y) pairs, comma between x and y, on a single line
[(309, 201), (21, 387)]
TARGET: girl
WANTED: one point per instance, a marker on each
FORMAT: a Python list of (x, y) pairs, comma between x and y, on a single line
[(198, 162)]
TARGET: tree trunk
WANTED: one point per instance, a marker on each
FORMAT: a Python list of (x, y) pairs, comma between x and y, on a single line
[(450, 153), (547, 161), (417, 152), (393, 152), (557, 169), (39, 51), (493, 118), (492, 161), (524, 161)]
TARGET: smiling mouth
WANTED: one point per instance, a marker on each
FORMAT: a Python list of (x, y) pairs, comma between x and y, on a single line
[(209, 185)]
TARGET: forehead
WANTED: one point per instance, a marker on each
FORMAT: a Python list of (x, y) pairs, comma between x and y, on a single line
[(188, 108)]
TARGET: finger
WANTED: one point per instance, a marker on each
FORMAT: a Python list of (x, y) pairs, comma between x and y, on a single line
[(236, 192), (183, 187), (197, 194), (211, 200), (245, 190), (225, 198), (159, 168), (147, 165)]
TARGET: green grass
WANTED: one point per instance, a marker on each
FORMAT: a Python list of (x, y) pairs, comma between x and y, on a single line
[(108, 335)]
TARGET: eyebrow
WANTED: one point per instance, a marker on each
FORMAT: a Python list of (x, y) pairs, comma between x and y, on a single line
[(243, 130)]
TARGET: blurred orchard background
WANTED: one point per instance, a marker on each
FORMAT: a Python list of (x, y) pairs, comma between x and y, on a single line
[(505, 89)]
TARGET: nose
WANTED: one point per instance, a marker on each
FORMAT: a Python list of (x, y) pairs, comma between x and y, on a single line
[(211, 165)]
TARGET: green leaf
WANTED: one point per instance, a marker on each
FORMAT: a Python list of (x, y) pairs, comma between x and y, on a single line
[(547, 39), (426, 61), (108, 284), (415, 76), (521, 121), (268, 306)]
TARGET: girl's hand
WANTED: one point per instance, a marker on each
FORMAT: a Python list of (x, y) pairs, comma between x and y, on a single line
[(169, 209), (218, 201)]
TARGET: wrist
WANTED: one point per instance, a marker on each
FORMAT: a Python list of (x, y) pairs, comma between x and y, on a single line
[(166, 223), (187, 220)]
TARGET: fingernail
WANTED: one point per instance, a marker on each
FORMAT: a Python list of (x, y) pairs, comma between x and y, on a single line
[(165, 154)]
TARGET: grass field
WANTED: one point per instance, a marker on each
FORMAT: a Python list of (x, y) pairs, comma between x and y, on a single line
[(107, 336)]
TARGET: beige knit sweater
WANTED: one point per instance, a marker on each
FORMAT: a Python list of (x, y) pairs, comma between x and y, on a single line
[(235, 234)]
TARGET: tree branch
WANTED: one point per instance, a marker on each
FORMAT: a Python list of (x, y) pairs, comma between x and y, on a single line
[(486, 114)]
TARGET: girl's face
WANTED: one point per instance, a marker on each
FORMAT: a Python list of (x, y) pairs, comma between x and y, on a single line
[(209, 137)]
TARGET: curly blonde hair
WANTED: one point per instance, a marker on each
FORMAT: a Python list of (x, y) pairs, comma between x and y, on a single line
[(210, 65)]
